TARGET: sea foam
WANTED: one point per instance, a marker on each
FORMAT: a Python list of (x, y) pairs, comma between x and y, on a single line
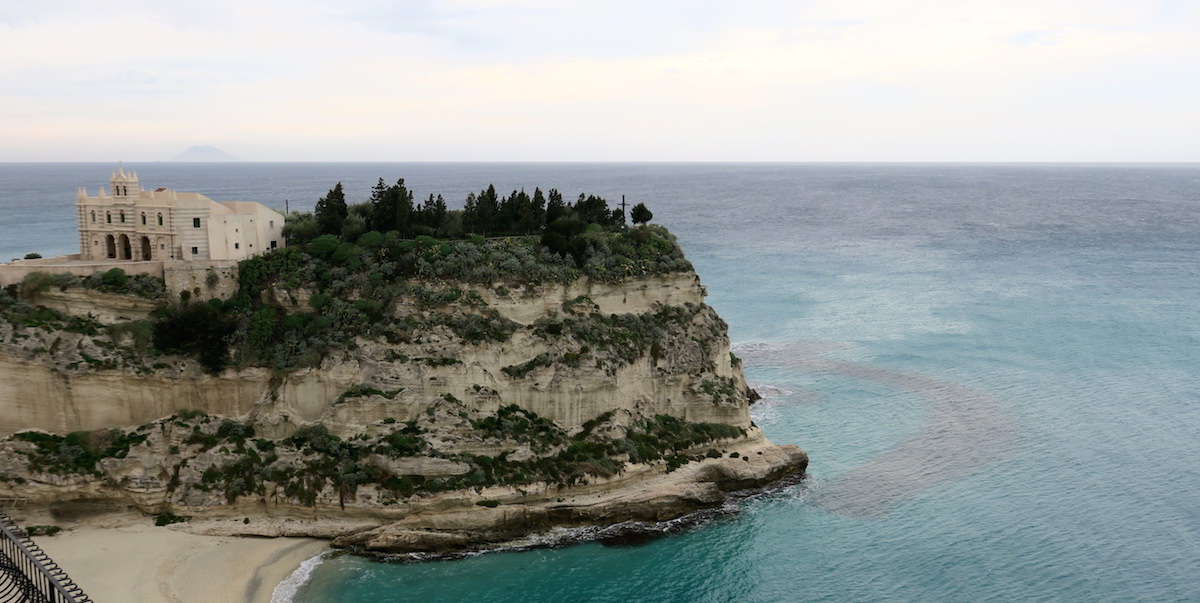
[(285, 592)]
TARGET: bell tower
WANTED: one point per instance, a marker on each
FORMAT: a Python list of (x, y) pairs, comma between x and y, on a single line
[(124, 184)]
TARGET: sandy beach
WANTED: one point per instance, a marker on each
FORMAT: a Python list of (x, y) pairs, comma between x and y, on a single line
[(125, 557)]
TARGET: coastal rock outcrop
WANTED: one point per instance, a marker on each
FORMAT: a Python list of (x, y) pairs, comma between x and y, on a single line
[(476, 414)]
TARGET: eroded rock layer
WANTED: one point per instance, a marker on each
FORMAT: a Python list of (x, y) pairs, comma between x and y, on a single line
[(478, 414)]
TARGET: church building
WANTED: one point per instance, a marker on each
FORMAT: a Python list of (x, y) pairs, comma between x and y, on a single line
[(132, 224)]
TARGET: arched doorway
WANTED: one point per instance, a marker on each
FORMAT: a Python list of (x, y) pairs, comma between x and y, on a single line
[(111, 246), (126, 248), (146, 248)]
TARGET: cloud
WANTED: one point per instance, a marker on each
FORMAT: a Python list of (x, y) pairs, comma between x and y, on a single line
[(535, 80)]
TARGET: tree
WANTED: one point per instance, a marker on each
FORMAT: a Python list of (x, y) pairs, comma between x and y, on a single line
[(640, 214), (430, 216), (592, 209), (555, 207), (300, 228), (392, 207), (383, 208), (331, 211)]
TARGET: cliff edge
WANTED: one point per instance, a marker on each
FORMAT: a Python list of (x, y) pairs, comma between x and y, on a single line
[(436, 415)]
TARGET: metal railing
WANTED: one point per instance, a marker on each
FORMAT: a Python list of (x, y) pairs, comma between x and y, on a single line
[(28, 574)]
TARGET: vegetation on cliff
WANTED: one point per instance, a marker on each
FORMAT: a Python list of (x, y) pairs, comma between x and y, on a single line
[(354, 264), (354, 278), (222, 456), (114, 280), (399, 295), (76, 452), (391, 208)]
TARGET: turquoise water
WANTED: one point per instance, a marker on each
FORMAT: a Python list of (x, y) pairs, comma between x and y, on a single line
[(993, 369)]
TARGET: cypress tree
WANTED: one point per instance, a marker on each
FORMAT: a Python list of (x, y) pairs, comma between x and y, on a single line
[(331, 211)]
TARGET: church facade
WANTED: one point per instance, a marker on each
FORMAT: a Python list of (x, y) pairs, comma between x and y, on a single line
[(128, 223)]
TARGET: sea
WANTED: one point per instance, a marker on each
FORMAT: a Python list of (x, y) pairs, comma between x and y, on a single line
[(995, 371)]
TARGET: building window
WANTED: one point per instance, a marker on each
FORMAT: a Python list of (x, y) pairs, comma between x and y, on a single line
[(143, 219), (237, 245), (272, 223), (195, 250), (108, 217), (195, 222), (274, 245), (160, 219), (122, 217), (93, 217)]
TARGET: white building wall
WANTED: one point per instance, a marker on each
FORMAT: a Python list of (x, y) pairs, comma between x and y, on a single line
[(229, 230), (192, 220)]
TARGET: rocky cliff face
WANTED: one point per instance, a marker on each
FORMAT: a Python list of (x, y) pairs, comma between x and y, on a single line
[(63, 379), (470, 406)]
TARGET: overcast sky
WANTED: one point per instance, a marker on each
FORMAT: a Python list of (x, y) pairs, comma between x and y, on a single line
[(533, 80)]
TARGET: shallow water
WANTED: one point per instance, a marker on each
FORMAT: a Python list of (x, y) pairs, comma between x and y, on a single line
[(993, 369)]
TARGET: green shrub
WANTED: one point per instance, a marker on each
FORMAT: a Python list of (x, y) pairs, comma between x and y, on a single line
[(200, 329), (114, 278), (79, 451), (34, 283), (168, 518), (42, 530)]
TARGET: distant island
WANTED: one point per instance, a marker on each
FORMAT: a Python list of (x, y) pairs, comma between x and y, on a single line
[(204, 153)]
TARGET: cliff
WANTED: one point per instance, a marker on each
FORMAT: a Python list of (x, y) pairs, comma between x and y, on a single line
[(465, 414)]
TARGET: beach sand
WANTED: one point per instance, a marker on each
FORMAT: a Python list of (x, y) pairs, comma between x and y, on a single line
[(126, 557)]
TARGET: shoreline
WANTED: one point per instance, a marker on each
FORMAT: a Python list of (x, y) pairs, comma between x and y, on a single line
[(121, 555), (125, 557)]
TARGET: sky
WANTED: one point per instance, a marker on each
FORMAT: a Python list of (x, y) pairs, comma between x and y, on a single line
[(534, 80)]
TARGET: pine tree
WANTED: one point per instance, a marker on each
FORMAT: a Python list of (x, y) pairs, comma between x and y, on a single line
[(331, 211), (555, 207), (403, 199)]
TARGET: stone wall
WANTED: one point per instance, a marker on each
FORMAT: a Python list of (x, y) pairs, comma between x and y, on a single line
[(203, 280), (13, 273)]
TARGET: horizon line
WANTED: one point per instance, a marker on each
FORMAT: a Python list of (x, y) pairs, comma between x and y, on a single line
[(623, 162)]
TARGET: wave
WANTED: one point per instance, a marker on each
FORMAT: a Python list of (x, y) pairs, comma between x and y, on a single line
[(285, 592)]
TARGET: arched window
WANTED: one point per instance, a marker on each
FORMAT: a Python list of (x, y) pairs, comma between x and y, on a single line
[(108, 217), (143, 218), (160, 219), (93, 217), (122, 217)]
